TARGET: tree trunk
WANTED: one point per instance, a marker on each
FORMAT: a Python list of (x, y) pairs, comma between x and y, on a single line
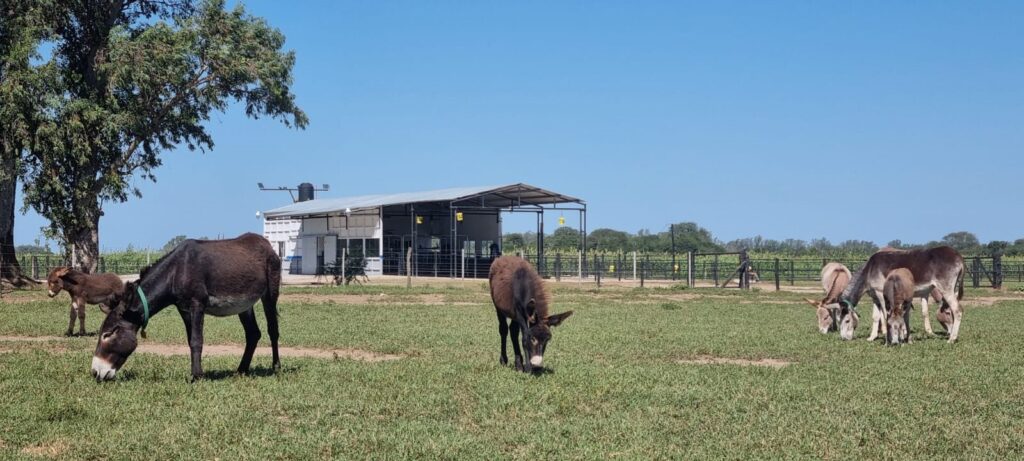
[(10, 270), (85, 246)]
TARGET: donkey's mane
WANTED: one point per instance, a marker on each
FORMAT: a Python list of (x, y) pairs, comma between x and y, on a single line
[(855, 289), (159, 261)]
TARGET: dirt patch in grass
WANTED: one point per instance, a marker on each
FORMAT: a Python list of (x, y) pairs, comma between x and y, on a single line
[(214, 350), (35, 339), (712, 360), (985, 300), (49, 449)]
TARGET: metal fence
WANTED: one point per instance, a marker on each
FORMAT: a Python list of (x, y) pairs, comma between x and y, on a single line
[(712, 269)]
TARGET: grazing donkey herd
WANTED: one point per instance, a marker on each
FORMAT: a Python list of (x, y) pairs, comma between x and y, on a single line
[(227, 277), (892, 278)]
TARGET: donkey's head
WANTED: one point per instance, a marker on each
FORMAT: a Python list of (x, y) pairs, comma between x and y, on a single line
[(539, 334), (848, 319), (945, 317), (897, 332), (56, 279), (118, 335), (826, 314)]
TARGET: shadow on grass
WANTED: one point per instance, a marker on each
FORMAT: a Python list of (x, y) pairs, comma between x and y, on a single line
[(254, 372)]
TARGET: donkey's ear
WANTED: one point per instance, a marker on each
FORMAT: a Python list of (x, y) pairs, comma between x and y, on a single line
[(812, 302), (67, 278), (555, 320)]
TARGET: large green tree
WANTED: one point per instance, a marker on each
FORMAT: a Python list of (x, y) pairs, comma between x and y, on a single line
[(135, 79), (21, 96)]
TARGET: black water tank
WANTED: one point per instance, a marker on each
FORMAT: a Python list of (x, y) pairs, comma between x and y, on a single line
[(306, 192)]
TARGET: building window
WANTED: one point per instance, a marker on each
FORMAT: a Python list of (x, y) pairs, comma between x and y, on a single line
[(372, 248), (355, 247)]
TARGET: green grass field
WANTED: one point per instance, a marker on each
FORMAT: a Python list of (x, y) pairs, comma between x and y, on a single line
[(615, 388)]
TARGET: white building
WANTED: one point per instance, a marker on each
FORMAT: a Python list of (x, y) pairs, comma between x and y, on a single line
[(451, 232)]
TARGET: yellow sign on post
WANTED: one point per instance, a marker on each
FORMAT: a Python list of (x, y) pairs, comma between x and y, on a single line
[(458, 216), (419, 220)]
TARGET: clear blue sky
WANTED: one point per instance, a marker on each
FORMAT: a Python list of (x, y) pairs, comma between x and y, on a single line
[(845, 120)]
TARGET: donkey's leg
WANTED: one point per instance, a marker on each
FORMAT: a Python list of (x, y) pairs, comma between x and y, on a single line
[(906, 320), (81, 317), (71, 321), (503, 332), (514, 326), (958, 314), (270, 311), (876, 318), (252, 337), (924, 315), (195, 340), (883, 323), (186, 317)]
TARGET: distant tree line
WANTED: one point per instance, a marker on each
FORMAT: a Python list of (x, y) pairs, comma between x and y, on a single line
[(692, 237)]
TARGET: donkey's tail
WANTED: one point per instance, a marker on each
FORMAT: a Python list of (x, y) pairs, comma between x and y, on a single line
[(960, 284)]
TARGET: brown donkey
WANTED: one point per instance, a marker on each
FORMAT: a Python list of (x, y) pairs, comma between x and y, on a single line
[(84, 288), (518, 294), (898, 294)]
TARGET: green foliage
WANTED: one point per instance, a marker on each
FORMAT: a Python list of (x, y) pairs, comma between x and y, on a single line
[(963, 241), (173, 242), (563, 239), (34, 249), (608, 240), (134, 80), (354, 270)]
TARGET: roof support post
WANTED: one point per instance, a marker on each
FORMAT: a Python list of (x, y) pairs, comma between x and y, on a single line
[(454, 239), (412, 239), (540, 242), (583, 234)]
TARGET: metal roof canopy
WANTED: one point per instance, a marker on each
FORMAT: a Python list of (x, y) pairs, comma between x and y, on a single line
[(512, 197), (522, 198)]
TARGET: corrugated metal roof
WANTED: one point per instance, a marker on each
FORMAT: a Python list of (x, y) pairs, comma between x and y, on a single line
[(495, 196)]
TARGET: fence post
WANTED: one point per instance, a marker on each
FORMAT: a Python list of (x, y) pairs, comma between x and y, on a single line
[(997, 271), (643, 270), (689, 269), (744, 270), (976, 275), (35, 267), (714, 271), (558, 267), (408, 268), (344, 256), (579, 265), (792, 273), (776, 274), (103, 265), (597, 274)]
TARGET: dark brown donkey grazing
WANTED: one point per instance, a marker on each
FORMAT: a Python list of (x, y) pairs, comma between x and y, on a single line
[(84, 289), (518, 294), (199, 277)]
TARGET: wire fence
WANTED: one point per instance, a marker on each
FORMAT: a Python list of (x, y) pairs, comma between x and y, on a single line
[(696, 269)]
